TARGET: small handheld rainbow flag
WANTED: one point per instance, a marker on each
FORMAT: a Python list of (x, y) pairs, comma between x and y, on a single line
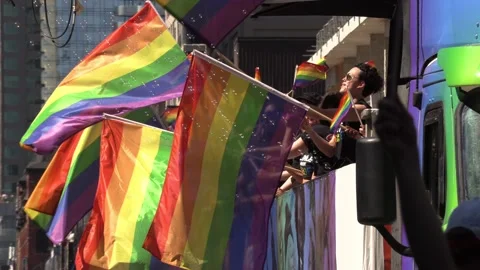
[(343, 108), (138, 65), (308, 74), (258, 76)]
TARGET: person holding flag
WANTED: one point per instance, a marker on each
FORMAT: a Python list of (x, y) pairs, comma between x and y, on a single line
[(359, 83)]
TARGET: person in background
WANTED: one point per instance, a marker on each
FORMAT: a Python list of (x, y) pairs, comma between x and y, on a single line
[(290, 178), (463, 235), (313, 162), (361, 81)]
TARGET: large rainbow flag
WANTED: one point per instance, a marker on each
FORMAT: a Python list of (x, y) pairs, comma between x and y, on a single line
[(309, 73), (133, 164), (66, 190), (210, 20), (138, 65), (232, 138), (342, 111)]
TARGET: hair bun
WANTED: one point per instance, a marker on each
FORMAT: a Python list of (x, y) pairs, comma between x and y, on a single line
[(370, 63)]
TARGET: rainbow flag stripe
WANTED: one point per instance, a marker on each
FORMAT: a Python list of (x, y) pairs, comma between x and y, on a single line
[(134, 160), (66, 190), (343, 109), (231, 142), (138, 65), (211, 20), (309, 74)]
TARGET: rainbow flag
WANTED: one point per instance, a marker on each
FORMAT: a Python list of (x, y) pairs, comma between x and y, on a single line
[(232, 139), (169, 116), (210, 20), (343, 108), (308, 74), (133, 163), (138, 65), (66, 190), (258, 76)]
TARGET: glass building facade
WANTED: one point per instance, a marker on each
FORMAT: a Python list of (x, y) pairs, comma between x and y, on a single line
[(93, 24), (20, 81)]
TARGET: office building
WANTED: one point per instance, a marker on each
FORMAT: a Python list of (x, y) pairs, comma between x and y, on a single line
[(20, 84)]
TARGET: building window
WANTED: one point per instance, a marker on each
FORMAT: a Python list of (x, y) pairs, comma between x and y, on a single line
[(32, 82), (9, 10), (11, 46), (11, 117), (11, 28), (8, 222), (11, 135), (11, 81), (434, 157), (470, 151), (10, 63), (10, 99), (10, 152), (11, 170)]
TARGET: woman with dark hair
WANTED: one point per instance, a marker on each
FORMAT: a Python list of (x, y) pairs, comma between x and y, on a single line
[(361, 81)]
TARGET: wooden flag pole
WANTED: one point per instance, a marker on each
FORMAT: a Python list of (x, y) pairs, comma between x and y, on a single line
[(290, 93), (292, 170), (224, 58), (312, 112)]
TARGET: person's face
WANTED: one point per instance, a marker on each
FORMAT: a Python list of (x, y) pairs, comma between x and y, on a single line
[(312, 121), (351, 82)]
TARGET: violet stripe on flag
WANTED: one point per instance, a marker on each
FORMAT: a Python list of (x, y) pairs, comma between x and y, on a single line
[(212, 20), (253, 202)]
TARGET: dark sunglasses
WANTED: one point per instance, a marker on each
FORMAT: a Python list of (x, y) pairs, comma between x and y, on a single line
[(349, 77)]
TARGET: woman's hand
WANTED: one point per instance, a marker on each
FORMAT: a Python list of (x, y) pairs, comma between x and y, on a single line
[(353, 133), (362, 131)]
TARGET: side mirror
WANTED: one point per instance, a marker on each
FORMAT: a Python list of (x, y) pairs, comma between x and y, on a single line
[(375, 179), (460, 66)]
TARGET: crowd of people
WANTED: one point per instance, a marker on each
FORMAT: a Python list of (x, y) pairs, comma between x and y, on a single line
[(318, 150)]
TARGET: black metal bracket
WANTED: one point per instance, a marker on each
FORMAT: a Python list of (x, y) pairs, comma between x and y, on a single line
[(405, 80), (398, 247)]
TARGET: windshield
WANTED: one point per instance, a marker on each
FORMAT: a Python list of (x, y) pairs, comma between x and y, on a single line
[(470, 151)]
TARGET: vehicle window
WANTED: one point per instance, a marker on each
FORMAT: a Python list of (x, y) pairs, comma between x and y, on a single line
[(470, 151), (434, 158)]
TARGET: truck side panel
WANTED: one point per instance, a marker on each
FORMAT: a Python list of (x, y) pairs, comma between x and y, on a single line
[(314, 226)]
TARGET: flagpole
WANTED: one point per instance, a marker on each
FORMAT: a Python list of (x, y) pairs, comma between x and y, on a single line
[(293, 85), (310, 111), (228, 61), (107, 116)]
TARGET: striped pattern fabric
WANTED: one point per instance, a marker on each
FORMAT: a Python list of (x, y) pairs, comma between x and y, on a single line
[(138, 65), (232, 138)]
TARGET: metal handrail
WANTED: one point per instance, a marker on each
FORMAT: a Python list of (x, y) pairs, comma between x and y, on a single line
[(330, 29)]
